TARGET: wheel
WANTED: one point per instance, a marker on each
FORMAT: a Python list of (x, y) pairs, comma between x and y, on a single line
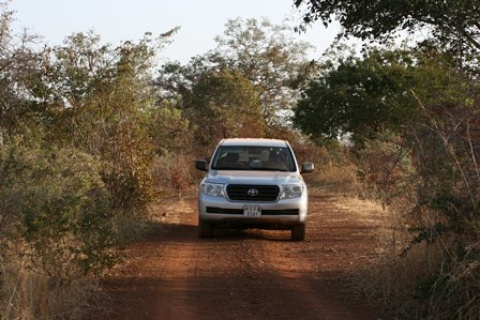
[(205, 230), (298, 232)]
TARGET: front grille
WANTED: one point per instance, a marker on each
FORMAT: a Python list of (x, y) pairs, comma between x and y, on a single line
[(252, 192)]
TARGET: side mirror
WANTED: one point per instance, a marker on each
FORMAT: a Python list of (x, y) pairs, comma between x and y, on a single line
[(307, 167), (201, 164)]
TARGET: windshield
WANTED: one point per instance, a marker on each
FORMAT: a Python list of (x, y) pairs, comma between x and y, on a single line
[(253, 158)]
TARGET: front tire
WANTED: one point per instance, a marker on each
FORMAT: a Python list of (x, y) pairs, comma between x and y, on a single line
[(298, 232), (205, 230)]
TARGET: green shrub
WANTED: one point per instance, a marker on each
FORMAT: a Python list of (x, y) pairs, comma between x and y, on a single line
[(54, 201)]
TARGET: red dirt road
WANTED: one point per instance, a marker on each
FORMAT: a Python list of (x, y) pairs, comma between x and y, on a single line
[(252, 274)]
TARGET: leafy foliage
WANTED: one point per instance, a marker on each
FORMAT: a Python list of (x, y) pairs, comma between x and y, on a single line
[(99, 102), (225, 104), (56, 200), (76, 155), (269, 57), (21, 70), (247, 78), (360, 97), (452, 22), (413, 117)]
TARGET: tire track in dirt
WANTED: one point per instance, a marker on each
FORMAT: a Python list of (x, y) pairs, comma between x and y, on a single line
[(241, 275)]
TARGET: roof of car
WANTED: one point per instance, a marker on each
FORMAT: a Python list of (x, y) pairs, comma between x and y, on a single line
[(254, 142)]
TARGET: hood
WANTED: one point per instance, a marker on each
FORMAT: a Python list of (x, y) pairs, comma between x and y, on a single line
[(253, 177)]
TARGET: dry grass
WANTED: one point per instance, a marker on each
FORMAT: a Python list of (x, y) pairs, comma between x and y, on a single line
[(28, 294), (336, 178), (421, 281), (392, 280)]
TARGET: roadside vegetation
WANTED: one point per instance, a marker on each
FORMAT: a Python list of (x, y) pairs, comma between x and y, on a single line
[(92, 134), (411, 112)]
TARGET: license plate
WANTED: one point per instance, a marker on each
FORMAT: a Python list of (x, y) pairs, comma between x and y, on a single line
[(252, 211)]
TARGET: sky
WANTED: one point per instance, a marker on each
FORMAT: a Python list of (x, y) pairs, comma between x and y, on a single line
[(200, 21)]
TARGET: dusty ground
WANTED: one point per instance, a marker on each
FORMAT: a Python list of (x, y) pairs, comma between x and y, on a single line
[(253, 274)]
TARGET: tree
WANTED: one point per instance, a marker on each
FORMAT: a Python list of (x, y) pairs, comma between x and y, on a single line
[(20, 68), (262, 53), (360, 97), (224, 104), (454, 23), (269, 56), (437, 88), (98, 100)]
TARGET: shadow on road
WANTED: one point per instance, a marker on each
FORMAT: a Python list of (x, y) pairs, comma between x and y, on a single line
[(188, 233)]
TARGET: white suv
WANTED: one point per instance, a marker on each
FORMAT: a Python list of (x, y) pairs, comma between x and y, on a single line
[(253, 183)]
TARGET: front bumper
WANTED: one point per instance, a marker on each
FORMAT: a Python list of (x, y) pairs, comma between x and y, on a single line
[(280, 214)]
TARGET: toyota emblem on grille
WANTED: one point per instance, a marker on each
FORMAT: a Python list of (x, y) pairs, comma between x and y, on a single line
[(252, 192)]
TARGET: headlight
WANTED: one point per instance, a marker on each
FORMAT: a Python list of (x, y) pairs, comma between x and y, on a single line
[(212, 189), (291, 191)]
